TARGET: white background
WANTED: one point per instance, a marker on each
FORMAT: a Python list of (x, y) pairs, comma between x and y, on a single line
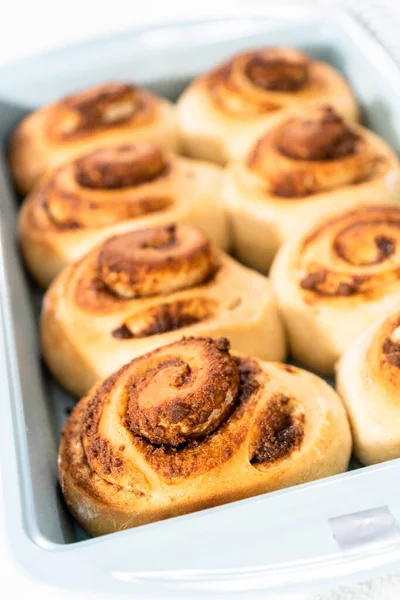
[(31, 26)]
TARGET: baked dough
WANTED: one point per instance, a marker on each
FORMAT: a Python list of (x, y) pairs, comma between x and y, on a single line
[(222, 113), (144, 288), (368, 380), (336, 280), (309, 164), (190, 426), (112, 113), (116, 189)]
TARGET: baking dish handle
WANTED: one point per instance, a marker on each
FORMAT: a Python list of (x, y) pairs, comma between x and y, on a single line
[(262, 544)]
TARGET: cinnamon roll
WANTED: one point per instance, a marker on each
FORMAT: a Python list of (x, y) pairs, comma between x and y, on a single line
[(308, 164), (113, 189), (368, 380), (140, 289), (112, 113), (189, 426), (337, 279), (222, 113)]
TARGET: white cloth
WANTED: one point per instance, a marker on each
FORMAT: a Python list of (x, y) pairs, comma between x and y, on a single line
[(29, 27)]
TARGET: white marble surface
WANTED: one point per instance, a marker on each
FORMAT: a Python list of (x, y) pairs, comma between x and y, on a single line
[(28, 27)]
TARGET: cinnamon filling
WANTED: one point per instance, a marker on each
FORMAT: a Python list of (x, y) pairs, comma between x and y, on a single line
[(326, 283), (120, 167), (73, 196), (391, 345), (366, 244), (278, 431), (249, 384), (101, 106), (165, 317), (182, 391), (242, 85), (322, 136), (391, 351), (155, 261), (277, 69), (312, 152), (70, 211), (355, 253), (172, 403)]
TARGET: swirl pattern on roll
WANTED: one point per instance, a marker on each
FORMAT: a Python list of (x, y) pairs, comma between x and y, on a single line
[(308, 164), (313, 152), (335, 280), (100, 188), (354, 255), (222, 113), (138, 287), (257, 82), (109, 113), (189, 426), (99, 108), (111, 189), (368, 379), (143, 264), (134, 264)]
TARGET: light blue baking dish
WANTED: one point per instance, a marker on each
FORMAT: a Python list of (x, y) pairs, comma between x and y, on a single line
[(330, 532)]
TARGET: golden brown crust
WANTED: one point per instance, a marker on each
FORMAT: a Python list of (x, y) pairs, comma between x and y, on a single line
[(112, 189), (309, 164), (139, 289), (155, 261), (322, 136), (113, 112), (66, 202), (231, 105), (247, 84), (114, 477), (120, 167), (96, 108), (313, 152), (173, 400)]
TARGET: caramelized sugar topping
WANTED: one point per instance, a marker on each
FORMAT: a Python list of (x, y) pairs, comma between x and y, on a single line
[(278, 69), (278, 431), (155, 261), (321, 136), (183, 391), (97, 107), (120, 166)]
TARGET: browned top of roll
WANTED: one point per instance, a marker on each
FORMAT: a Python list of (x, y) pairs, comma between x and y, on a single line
[(100, 107), (175, 399), (107, 186), (120, 167), (155, 261), (322, 136), (242, 86), (182, 409), (260, 81), (356, 254), (312, 151), (143, 263), (285, 70)]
